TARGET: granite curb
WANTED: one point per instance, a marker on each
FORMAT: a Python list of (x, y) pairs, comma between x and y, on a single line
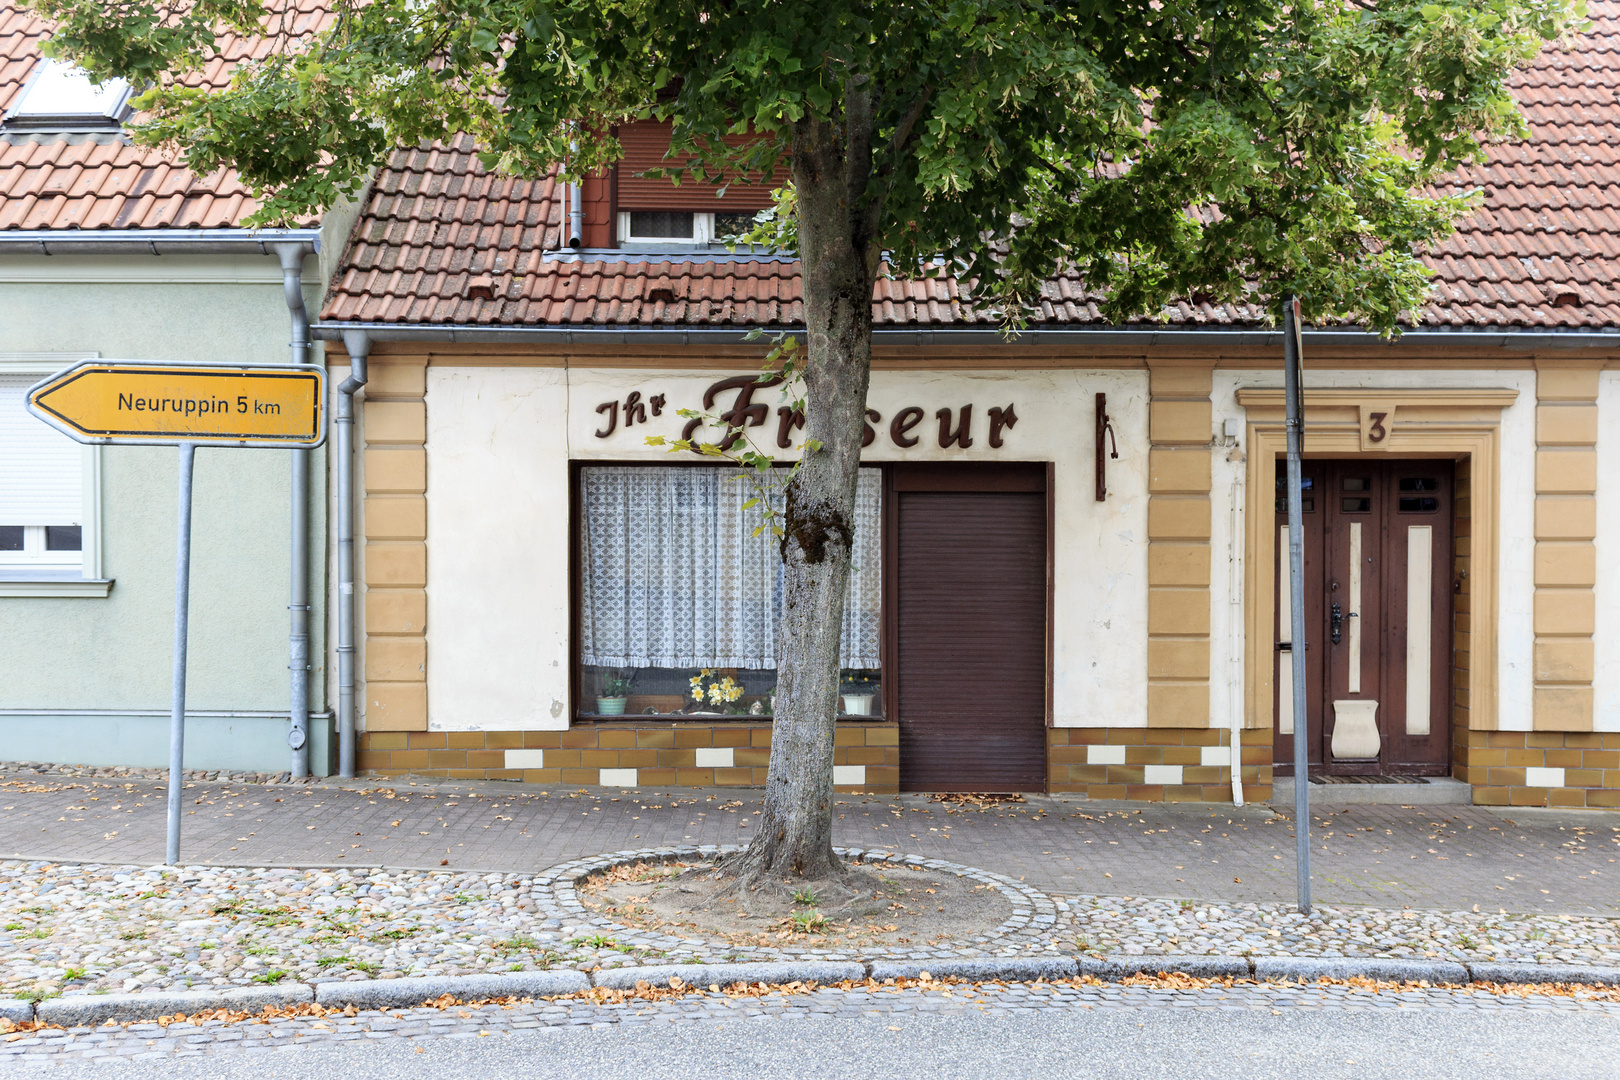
[(774, 971), (88, 1010)]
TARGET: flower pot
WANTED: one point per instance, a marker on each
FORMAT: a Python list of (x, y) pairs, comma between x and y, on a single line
[(610, 706), (858, 704)]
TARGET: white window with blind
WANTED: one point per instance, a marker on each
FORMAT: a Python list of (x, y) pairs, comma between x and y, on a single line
[(50, 493)]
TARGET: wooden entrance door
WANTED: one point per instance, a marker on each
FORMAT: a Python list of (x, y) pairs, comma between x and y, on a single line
[(971, 581), (1378, 618)]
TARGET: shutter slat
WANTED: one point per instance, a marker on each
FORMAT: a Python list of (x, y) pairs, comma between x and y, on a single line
[(972, 641), (41, 470)]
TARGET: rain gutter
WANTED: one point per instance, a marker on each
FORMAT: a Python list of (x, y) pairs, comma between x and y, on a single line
[(153, 241), (1147, 338)]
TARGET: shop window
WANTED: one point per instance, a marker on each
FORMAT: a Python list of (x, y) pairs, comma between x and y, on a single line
[(48, 497), (681, 595)]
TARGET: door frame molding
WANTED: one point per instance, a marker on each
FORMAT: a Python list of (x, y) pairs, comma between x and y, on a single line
[(1457, 423)]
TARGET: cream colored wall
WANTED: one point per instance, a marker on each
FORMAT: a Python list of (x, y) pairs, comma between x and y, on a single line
[(1606, 640), (1515, 642), (498, 548), (499, 443)]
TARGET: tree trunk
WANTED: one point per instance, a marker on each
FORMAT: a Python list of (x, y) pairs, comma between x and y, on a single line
[(794, 838)]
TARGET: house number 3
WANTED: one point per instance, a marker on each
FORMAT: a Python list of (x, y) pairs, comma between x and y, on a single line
[(1376, 432)]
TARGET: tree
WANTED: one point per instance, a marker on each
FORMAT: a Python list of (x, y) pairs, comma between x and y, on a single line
[(1242, 150)]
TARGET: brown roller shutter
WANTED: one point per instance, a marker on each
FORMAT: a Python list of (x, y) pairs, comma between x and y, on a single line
[(644, 146), (970, 627)]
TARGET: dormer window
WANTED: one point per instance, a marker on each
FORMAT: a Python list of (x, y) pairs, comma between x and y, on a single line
[(680, 226), (60, 97)]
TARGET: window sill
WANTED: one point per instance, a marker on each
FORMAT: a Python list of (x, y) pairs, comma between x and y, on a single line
[(699, 718), (49, 586)]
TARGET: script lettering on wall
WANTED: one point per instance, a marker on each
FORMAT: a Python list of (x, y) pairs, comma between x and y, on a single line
[(904, 420), (742, 412), (634, 411)]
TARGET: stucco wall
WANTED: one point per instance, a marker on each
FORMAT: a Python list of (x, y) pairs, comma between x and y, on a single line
[(114, 653), (1516, 540), (500, 439)]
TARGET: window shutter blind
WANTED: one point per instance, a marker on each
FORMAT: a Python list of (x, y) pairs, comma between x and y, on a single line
[(645, 143), (41, 470)]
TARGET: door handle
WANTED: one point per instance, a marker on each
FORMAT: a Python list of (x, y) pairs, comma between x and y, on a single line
[(1336, 621)]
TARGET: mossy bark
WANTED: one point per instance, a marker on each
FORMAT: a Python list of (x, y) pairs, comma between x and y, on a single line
[(840, 260)]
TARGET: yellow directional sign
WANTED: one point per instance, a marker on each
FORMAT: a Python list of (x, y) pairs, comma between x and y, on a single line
[(132, 401)]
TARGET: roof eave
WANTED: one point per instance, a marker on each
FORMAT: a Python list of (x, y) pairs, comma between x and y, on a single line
[(153, 241), (1146, 337)]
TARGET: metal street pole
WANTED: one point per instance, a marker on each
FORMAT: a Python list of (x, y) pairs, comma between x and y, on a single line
[(182, 611), (1296, 605)]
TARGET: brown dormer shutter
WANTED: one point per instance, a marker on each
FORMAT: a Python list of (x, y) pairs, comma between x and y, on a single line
[(645, 143)]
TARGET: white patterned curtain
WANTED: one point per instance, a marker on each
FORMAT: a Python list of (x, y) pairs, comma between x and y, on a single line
[(672, 575)]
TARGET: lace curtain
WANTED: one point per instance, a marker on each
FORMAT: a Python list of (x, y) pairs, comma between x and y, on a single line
[(672, 575)]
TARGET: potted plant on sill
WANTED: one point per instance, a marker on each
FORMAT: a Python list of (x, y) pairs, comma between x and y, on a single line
[(859, 690), (712, 696), (612, 694)]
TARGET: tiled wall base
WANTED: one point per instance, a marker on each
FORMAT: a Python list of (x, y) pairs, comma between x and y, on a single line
[(1539, 768), (866, 755), (1156, 764)]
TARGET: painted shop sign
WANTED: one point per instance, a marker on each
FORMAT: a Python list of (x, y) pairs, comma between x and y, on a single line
[(906, 428)]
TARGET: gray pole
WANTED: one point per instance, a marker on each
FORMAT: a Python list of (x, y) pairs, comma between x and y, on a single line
[(358, 344), (1296, 605), (182, 611), (292, 269)]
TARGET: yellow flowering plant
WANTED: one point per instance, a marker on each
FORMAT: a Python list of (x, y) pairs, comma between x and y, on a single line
[(717, 692)]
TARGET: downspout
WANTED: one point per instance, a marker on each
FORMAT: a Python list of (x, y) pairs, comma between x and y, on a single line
[(358, 344), (576, 216), (292, 281), (576, 208), (1234, 585)]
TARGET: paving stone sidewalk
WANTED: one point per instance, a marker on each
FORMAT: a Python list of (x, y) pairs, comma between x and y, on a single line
[(1442, 857)]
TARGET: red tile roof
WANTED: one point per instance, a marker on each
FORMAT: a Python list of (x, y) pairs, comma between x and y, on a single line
[(1541, 252), (76, 182)]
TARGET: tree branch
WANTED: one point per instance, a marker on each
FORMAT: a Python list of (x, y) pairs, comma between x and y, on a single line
[(873, 211)]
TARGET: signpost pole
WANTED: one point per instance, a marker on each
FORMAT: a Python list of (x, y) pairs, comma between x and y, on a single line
[(182, 611), (1296, 604)]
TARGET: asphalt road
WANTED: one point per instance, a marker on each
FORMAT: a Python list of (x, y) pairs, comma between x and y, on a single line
[(1433, 1043)]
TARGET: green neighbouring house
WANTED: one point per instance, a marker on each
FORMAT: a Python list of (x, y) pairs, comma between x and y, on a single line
[(113, 251)]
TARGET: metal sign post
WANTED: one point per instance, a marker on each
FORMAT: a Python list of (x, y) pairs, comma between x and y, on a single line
[(182, 618), (1296, 604), (153, 403)]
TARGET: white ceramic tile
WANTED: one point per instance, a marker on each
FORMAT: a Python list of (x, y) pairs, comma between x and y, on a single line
[(715, 757), (1214, 755), (849, 774), (525, 759), (1161, 774), (1105, 755), (618, 778), (1536, 776)]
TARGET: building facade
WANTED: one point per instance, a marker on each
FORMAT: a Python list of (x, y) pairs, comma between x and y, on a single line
[(1068, 544), (112, 251)]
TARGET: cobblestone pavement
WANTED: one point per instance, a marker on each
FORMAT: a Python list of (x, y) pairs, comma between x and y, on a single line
[(155, 1043), (1444, 857)]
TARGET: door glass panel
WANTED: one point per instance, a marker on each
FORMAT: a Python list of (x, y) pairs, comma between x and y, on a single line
[(1356, 483), (1355, 504), (1416, 504), (1307, 502), (1419, 483)]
